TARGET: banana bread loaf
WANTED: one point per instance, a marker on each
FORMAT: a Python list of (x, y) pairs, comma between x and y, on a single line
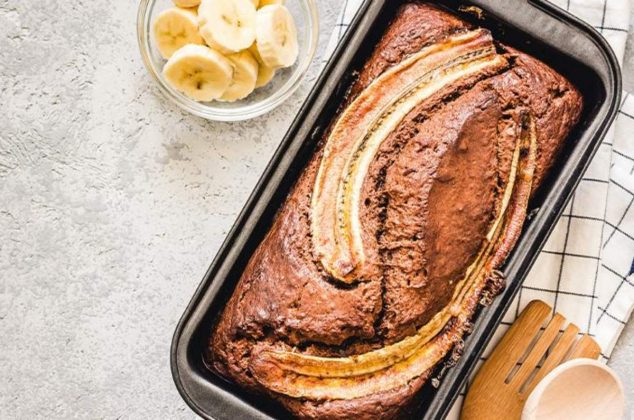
[(395, 230)]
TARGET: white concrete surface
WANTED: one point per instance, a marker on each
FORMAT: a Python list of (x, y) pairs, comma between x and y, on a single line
[(113, 204)]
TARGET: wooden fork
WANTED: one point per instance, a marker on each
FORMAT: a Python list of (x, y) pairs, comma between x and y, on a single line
[(508, 376)]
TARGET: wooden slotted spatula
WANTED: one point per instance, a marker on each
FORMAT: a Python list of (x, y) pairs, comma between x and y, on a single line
[(508, 376)]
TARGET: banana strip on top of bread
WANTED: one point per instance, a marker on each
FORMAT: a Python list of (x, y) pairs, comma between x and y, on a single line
[(365, 124), (396, 228)]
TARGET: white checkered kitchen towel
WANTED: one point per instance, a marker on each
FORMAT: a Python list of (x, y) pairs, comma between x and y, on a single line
[(585, 269)]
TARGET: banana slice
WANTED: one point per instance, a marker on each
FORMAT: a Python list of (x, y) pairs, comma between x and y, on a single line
[(245, 74), (253, 49), (265, 73), (199, 72), (175, 28), (227, 25), (276, 36), (270, 2), (186, 3)]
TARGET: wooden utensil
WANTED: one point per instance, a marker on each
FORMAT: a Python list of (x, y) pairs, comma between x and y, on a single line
[(577, 389), (507, 378)]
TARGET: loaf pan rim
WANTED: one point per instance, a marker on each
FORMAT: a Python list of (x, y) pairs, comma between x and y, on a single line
[(440, 405)]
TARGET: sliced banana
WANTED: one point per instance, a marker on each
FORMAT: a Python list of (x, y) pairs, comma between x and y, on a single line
[(245, 74), (175, 28), (269, 2), (276, 36), (253, 49), (186, 3), (265, 73), (199, 72), (227, 25)]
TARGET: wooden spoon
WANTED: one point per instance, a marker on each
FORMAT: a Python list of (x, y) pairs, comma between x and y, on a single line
[(507, 378), (578, 389)]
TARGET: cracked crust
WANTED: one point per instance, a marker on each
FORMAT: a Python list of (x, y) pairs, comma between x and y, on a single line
[(429, 197)]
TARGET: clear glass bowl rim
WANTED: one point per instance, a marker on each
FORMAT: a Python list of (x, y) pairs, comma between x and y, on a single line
[(249, 110)]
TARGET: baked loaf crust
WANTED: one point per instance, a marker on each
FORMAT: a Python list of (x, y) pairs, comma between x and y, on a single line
[(394, 232)]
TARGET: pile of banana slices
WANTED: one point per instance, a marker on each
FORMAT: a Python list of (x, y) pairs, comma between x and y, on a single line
[(224, 49)]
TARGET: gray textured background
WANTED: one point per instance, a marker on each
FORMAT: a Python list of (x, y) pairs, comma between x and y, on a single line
[(113, 204)]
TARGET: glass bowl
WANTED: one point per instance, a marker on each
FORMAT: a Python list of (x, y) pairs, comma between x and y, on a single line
[(259, 102)]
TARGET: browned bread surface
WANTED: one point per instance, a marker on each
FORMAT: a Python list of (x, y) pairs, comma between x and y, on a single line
[(431, 194)]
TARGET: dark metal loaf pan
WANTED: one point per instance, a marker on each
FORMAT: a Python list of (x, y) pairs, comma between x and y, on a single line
[(537, 27)]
